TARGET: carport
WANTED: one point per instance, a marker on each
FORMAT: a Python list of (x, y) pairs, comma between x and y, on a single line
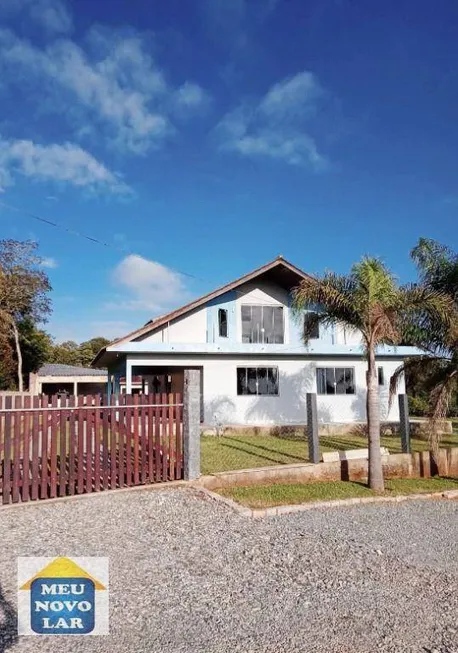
[(52, 379)]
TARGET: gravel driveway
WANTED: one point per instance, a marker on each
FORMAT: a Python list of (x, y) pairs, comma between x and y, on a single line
[(189, 575)]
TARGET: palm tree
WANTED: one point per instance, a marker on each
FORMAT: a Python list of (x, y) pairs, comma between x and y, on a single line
[(369, 300), (438, 337)]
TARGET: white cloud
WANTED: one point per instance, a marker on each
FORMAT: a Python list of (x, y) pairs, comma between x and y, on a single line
[(114, 84), (52, 15), (278, 125), (49, 262), (191, 95), (67, 163), (294, 150), (292, 97), (149, 285)]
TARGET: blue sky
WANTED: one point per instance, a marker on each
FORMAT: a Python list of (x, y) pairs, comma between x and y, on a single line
[(209, 136)]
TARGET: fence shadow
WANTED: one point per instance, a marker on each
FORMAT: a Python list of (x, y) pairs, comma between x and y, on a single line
[(260, 450), (8, 623)]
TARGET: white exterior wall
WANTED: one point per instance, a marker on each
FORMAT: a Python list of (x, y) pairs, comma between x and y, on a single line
[(346, 336), (190, 328), (296, 378), (262, 294)]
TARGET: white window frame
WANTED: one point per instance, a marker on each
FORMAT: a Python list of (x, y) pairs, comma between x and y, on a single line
[(335, 367), (257, 367), (262, 307)]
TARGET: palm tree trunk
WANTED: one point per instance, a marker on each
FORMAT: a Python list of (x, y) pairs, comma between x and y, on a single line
[(19, 357), (376, 482)]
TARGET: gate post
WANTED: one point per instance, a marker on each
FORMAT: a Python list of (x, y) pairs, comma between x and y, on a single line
[(404, 422), (191, 425), (312, 428)]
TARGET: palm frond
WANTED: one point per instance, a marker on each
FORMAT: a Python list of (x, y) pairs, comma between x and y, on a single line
[(385, 327), (439, 403), (395, 379), (428, 303), (333, 294), (312, 321), (410, 367), (437, 266), (376, 284)]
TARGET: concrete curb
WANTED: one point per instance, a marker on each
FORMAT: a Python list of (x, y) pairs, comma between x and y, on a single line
[(302, 507), (233, 505)]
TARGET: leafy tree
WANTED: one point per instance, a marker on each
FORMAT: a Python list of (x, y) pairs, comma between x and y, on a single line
[(71, 353), (85, 354), (24, 292), (66, 353), (36, 345), (98, 343), (437, 369), (369, 300), (90, 348), (7, 363)]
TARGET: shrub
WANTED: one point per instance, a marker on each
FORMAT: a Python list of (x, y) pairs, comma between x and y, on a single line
[(453, 411), (418, 406)]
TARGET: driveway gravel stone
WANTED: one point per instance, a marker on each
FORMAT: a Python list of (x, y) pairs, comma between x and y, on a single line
[(189, 575)]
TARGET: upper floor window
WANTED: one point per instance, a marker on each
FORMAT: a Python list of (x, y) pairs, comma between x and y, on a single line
[(263, 324), (335, 381), (222, 322), (310, 321)]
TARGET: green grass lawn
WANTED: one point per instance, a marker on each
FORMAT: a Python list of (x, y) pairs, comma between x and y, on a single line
[(265, 496), (236, 451)]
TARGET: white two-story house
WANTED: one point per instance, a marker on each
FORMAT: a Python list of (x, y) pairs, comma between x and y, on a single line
[(255, 368)]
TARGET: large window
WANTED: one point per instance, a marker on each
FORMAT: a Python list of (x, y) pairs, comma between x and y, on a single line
[(222, 322), (262, 324), (257, 381), (335, 381)]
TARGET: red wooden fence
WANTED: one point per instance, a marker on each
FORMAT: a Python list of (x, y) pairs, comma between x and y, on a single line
[(59, 446)]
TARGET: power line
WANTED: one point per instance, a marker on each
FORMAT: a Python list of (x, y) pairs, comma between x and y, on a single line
[(80, 234)]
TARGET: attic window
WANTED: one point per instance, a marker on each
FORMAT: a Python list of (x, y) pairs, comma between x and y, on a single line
[(222, 322)]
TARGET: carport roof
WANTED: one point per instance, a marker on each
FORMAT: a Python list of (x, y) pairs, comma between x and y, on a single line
[(56, 369)]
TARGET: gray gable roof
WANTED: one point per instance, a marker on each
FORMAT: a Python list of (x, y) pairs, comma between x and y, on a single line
[(56, 369), (279, 266)]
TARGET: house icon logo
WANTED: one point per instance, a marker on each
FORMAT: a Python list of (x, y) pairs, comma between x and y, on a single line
[(62, 596)]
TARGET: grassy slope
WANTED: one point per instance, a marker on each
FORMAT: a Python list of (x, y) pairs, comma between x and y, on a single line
[(274, 495), (236, 451)]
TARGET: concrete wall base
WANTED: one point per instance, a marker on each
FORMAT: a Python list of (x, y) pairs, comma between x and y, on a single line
[(418, 429), (400, 465)]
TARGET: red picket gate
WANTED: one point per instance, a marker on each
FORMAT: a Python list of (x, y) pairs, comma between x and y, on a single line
[(60, 446)]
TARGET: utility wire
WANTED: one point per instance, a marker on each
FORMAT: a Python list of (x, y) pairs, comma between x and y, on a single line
[(80, 234)]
